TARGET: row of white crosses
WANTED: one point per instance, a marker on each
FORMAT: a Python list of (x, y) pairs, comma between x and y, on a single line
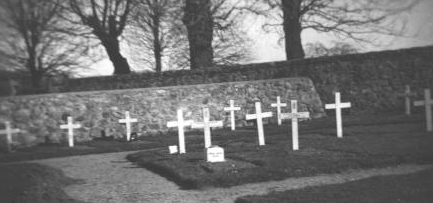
[(206, 124), (70, 126), (258, 116)]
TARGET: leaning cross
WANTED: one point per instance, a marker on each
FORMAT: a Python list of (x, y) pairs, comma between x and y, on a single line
[(180, 124), (232, 110), (259, 116), (294, 116), (428, 102), (278, 105), (407, 95), (338, 106), (70, 126), (8, 131), (207, 125), (128, 120)]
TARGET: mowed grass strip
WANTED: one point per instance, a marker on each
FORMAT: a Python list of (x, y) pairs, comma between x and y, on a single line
[(412, 188), (321, 152)]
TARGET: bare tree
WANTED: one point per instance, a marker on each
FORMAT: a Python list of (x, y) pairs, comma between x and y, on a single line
[(156, 21), (107, 20), (31, 39), (346, 19)]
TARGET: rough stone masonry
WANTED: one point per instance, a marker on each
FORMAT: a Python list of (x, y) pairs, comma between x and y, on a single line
[(98, 112)]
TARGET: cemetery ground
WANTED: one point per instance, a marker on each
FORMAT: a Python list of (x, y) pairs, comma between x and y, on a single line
[(368, 142)]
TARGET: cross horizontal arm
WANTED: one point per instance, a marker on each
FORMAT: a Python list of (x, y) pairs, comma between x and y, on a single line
[(333, 106), (278, 104), (232, 108), (172, 124), (295, 115), (419, 103)]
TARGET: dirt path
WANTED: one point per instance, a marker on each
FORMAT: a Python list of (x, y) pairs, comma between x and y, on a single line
[(111, 178)]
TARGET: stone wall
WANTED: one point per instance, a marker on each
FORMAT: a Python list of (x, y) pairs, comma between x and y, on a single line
[(99, 111), (371, 81)]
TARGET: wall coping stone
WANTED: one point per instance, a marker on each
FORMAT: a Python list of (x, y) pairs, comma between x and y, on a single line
[(150, 88)]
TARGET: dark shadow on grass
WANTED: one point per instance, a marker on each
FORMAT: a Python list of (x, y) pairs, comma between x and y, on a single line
[(36, 183)]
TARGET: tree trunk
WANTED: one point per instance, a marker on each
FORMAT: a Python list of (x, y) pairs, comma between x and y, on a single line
[(292, 29), (157, 47), (199, 23), (120, 64), (36, 76)]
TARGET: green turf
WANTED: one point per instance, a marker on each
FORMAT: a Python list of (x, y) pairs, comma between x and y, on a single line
[(412, 188), (368, 143)]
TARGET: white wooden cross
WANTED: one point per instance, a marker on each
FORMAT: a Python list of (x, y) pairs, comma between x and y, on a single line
[(338, 106), (128, 120), (259, 116), (428, 102), (294, 115), (70, 126), (206, 125), (407, 95), (278, 105), (180, 124), (8, 131), (232, 110)]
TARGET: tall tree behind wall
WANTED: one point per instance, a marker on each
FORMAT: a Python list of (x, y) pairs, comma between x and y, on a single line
[(354, 19), (229, 41), (199, 23), (107, 20)]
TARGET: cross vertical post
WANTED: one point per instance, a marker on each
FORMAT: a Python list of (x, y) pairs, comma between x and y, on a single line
[(428, 102), (8, 131), (180, 124), (207, 125), (338, 106), (232, 108), (70, 126), (259, 116), (278, 105), (128, 120)]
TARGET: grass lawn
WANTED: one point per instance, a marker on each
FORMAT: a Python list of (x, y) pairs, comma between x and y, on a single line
[(34, 183), (412, 188), (368, 142)]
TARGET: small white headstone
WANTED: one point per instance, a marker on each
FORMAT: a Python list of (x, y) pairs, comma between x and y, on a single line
[(407, 95), (215, 154), (70, 126), (9, 131), (232, 108), (172, 149), (259, 116), (180, 124), (428, 103), (278, 105), (128, 120), (207, 125), (338, 106), (294, 115)]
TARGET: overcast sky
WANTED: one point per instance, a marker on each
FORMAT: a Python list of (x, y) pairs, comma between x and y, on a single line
[(265, 46)]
